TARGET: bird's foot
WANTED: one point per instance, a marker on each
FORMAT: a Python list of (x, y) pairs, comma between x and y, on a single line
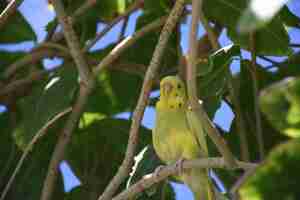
[(179, 165), (157, 171)]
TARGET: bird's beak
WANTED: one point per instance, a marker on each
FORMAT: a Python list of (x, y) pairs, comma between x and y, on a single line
[(167, 88)]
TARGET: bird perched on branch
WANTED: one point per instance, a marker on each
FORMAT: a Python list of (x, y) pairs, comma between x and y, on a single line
[(178, 135)]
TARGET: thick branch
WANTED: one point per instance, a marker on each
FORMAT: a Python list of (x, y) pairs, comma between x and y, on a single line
[(143, 99), (84, 72), (86, 86), (151, 179), (192, 88)]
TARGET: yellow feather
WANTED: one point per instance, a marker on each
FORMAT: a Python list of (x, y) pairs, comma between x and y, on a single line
[(177, 135)]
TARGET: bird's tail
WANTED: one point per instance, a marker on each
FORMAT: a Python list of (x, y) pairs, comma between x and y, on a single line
[(200, 184)]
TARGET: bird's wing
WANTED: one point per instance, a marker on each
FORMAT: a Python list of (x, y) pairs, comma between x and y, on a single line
[(197, 130)]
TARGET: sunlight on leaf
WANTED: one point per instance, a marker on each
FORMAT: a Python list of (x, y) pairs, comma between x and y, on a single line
[(258, 14)]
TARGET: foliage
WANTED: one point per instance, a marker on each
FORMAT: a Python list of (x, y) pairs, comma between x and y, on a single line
[(99, 142)]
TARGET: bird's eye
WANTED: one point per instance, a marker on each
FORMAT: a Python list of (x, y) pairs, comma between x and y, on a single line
[(178, 86), (179, 105)]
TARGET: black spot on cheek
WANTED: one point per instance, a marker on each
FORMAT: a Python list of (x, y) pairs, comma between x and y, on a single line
[(172, 106), (176, 95), (180, 104)]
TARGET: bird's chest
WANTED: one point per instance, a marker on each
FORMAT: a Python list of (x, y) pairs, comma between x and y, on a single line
[(172, 138)]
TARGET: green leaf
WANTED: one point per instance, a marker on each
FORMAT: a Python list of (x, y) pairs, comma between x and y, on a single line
[(270, 40), (113, 93), (17, 29), (157, 8), (7, 58), (146, 45), (212, 84), (98, 145), (34, 167), (145, 163), (256, 16), (46, 101), (288, 17), (278, 177), (280, 104)]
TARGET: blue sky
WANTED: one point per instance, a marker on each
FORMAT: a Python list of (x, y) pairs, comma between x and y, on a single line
[(38, 15)]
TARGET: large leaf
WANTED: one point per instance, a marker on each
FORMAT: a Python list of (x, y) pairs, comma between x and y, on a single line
[(214, 77), (278, 177), (145, 163), (146, 45), (111, 95), (34, 167), (256, 15), (6, 58), (280, 104), (270, 40), (47, 100), (96, 152), (16, 29)]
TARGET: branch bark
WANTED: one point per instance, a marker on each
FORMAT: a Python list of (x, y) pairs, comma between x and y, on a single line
[(127, 42), (153, 178), (124, 169), (192, 88), (87, 83)]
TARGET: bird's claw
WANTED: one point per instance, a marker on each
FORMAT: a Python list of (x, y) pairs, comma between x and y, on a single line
[(179, 165), (157, 170)]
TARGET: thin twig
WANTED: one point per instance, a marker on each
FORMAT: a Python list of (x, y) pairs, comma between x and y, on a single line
[(21, 82), (210, 32), (131, 9), (34, 56), (30, 146), (192, 89), (122, 32), (125, 167), (240, 123), (83, 8), (87, 84), (128, 42), (233, 191), (253, 72), (9, 11), (169, 170), (294, 45)]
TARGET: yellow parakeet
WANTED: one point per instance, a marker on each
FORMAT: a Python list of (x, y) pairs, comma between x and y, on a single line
[(177, 135)]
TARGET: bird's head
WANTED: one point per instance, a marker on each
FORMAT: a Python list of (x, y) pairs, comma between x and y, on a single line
[(172, 92)]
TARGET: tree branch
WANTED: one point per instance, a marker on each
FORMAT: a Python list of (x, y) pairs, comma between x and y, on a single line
[(127, 42), (137, 4), (9, 11), (253, 72), (125, 167), (34, 56), (192, 88), (169, 170), (87, 83)]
